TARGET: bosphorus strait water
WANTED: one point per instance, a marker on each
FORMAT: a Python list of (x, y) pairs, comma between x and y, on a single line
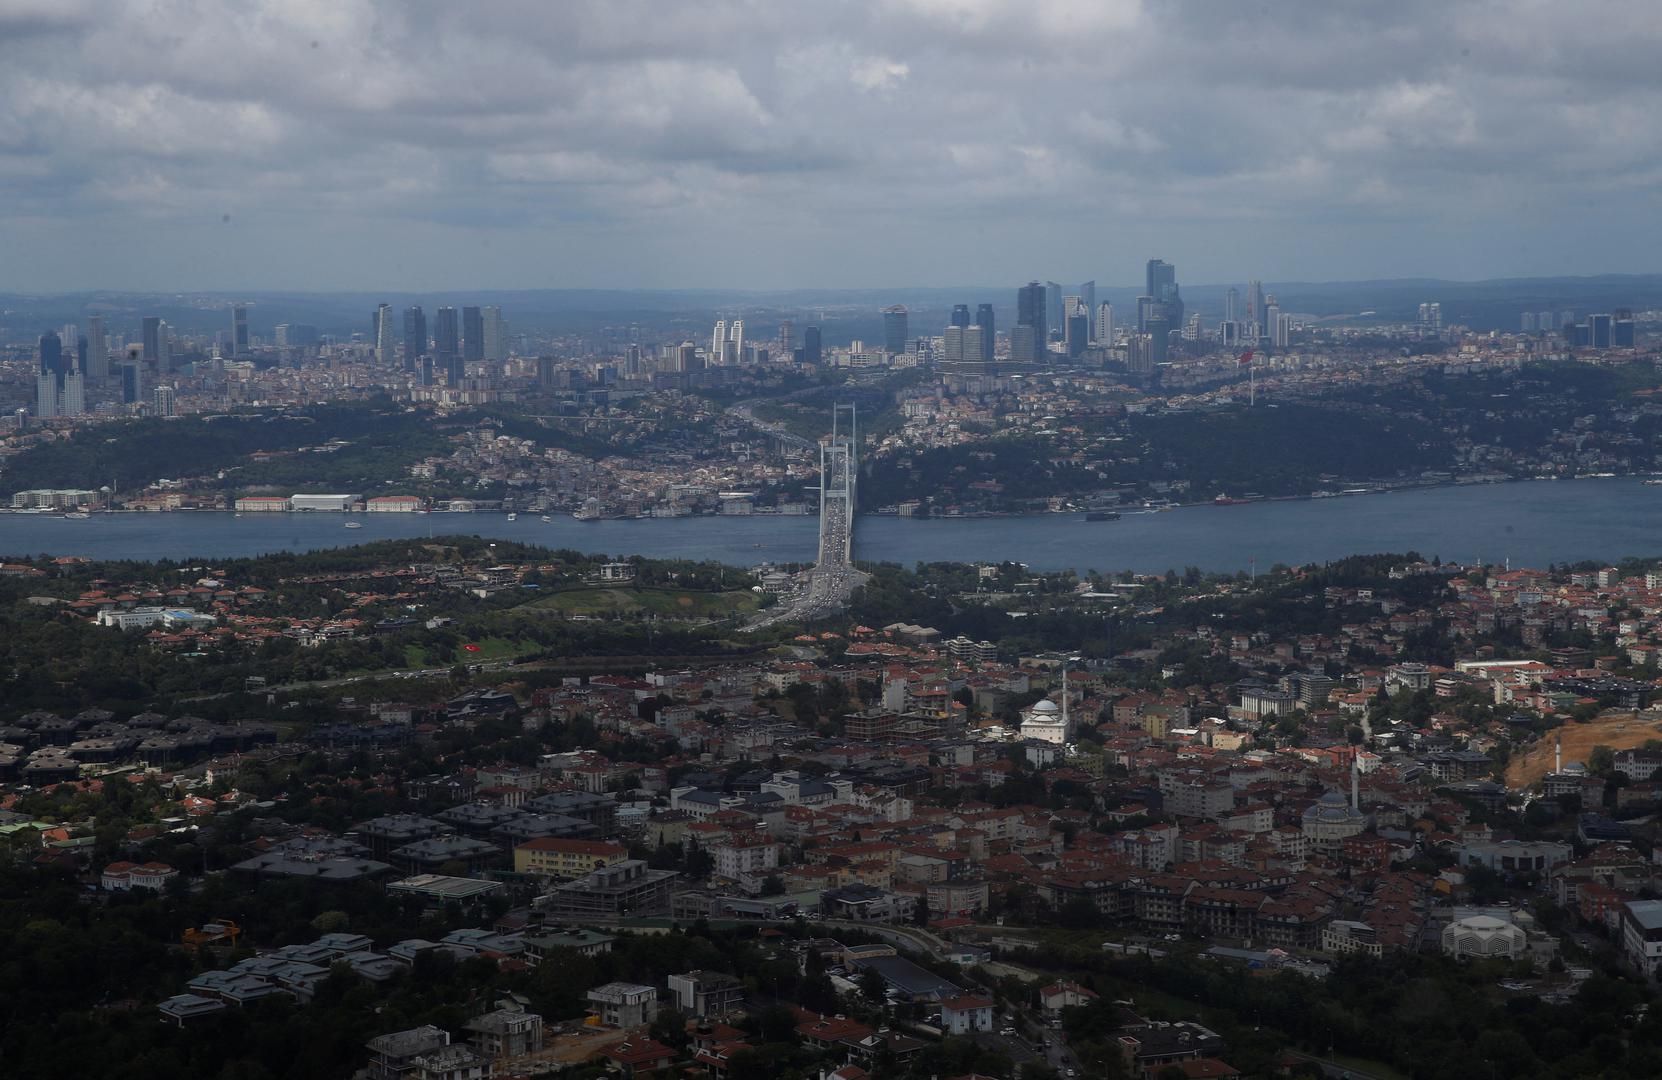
[(1529, 523)]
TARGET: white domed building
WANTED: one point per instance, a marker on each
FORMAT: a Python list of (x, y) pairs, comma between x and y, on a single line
[(1484, 936), (1045, 722)]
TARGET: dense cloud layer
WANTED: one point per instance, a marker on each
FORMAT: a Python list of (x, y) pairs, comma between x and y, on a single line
[(425, 144)]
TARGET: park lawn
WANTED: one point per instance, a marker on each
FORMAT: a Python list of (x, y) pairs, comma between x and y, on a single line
[(648, 601), (490, 648)]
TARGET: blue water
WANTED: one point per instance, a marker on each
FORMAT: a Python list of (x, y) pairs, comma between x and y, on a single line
[(1531, 523)]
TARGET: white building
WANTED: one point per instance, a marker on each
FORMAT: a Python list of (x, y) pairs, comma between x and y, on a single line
[(1484, 936), (737, 861), (335, 503), (962, 1015), (1044, 722), (1642, 936)]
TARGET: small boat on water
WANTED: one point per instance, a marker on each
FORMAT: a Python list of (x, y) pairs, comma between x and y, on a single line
[(77, 515), (513, 517), (1102, 515), (354, 524), (546, 520)]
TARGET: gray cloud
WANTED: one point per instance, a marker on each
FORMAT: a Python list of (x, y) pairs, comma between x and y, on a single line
[(429, 144)]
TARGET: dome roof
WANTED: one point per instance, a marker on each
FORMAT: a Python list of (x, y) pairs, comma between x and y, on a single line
[(1046, 706), (1331, 807)]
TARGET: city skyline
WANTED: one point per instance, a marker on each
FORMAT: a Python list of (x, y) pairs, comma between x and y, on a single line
[(591, 147)]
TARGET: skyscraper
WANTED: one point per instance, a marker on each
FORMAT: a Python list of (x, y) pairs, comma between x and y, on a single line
[(1161, 278), (1105, 324), (718, 342), (239, 330), (787, 338), (1053, 311), (49, 378), (984, 320), (447, 346), (152, 333), (1231, 304), (1030, 312), (495, 335), (46, 396), (1622, 329), (415, 336), (72, 400), (1598, 331), (811, 345), (1159, 340), (473, 334), (132, 382), (384, 337), (1147, 308), (98, 348), (52, 357), (735, 341), (1255, 302), (1076, 325), (895, 329), (960, 316), (952, 343), (162, 401), (1087, 295), (1162, 286)]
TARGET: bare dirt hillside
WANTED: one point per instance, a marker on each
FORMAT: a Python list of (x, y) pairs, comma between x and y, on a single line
[(1619, 731)]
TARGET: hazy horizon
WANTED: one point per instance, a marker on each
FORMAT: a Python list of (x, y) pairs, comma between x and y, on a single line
[(1103, 286)]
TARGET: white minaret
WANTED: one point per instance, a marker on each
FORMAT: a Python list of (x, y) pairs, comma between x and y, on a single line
[(1558, 755), (1067, 732), (1355, 782)]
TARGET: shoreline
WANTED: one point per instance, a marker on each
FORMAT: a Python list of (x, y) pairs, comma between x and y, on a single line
[(1124, 509), (1374, 488)]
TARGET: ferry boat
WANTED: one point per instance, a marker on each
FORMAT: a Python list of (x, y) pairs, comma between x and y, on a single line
[(354, 524), (77, 515)]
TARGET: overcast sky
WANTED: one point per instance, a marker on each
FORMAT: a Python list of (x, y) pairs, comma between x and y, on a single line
[(324, 144)]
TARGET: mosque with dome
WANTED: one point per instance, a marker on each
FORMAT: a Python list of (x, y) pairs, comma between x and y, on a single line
[(1045, 722), (1330, 820)]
